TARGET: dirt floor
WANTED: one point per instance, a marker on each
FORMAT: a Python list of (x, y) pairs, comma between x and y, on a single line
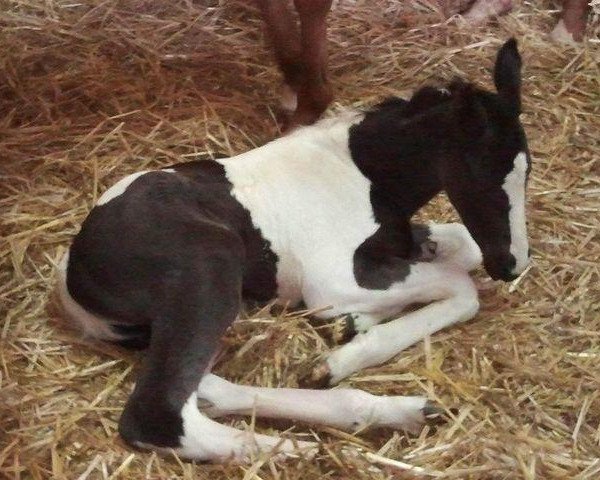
[(91, 91)]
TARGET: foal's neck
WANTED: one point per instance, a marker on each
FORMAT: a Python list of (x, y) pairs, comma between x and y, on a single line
[(399, 150)]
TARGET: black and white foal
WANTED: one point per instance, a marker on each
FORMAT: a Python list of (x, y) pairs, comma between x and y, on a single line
[(321, 215)]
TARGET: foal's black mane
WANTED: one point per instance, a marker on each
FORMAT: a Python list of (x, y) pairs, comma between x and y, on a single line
[(427, 98), (422, 100)]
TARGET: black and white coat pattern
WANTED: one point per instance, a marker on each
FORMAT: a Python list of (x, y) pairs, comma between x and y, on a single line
[(321, 215)]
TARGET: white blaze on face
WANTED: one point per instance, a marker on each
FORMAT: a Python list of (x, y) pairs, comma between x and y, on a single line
[(514, 186)]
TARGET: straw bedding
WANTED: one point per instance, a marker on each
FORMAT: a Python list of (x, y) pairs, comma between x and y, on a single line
[(95, 90)]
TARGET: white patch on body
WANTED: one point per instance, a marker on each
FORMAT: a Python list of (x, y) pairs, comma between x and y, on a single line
[(119, 188), (560, 34), (514, 187), (345, 408), (90, 325), (310, 201)]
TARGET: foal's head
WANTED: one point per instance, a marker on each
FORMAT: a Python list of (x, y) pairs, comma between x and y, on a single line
[(486, 177)]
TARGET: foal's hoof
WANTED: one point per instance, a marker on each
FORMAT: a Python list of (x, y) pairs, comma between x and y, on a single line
[(319, 377), (434, 414), (343, 330)]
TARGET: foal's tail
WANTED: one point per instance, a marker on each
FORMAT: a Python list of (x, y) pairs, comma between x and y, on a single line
[(92, 326)]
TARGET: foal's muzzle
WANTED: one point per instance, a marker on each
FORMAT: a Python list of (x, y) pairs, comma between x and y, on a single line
[(500, 267)]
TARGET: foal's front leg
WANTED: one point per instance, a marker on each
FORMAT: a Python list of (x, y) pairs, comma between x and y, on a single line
[(450, 244), (454, 298)]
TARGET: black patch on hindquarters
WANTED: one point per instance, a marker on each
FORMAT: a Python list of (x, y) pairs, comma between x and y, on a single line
[(126, 232), (377, 264), (205, 301), (260, 265)]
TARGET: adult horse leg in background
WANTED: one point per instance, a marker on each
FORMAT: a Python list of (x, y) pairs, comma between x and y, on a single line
[(315, 92), (569, 29), (571, 26), (473, 12), (301, 55), (482, 10), (285, 37)]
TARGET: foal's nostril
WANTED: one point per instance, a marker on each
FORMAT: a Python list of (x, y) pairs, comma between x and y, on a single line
[(507, 269), (510, 265), (508, 273)]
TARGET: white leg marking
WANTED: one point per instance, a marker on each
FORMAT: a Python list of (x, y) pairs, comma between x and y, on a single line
[(560, 34), (205, 439), (382, 342), (342, 408), (455, 246), (514, 186), (119, 188), (483, 10), (289, 98)]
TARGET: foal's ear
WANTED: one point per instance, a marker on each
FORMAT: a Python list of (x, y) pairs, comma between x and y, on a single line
[(507, 76)]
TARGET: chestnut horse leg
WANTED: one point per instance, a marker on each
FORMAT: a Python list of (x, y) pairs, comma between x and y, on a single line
[(301, 56), (314, 92), (285, 37), (571, 26)]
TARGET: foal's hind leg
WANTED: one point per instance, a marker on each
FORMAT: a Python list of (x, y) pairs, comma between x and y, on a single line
[(193, 304), (342, 408)]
